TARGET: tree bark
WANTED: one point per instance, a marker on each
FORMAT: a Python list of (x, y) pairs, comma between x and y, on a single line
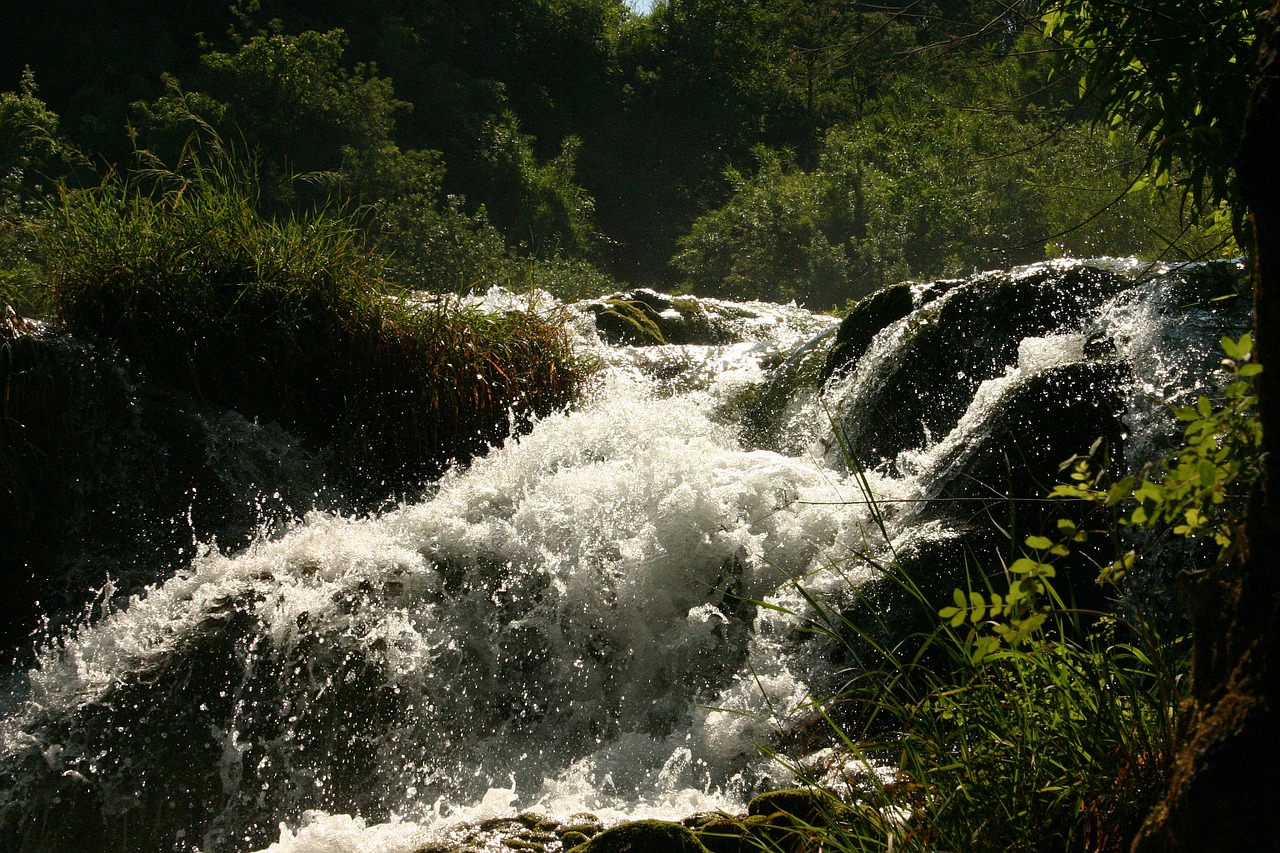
[(1225, 790)]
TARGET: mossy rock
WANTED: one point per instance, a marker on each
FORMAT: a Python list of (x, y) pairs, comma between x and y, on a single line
[(732, 835), (572, 838), (868, 316), (628, 321), (646, 318), (791, 821), (644, 836), (811, 806)]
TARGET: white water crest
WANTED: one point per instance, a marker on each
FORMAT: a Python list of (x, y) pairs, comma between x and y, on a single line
[(569, 623)]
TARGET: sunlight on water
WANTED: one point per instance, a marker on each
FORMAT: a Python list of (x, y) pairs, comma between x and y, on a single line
[(568, 624)]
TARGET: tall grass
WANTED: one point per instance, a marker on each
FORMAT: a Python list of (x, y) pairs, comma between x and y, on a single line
[(1061, 745), (1062, 742), (290, 319)]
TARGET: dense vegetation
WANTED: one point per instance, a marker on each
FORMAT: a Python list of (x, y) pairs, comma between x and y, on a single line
[(781, 148)]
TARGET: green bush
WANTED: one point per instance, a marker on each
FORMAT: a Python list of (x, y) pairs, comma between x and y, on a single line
[(291, 320), (940, 179)]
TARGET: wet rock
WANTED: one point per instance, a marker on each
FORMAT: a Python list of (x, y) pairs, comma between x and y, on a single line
[(954, 343), (102, 473), (645, 318), (869, 316), (644, 836), (628, 321), (809, 805), (787, 821), (1015, 453)]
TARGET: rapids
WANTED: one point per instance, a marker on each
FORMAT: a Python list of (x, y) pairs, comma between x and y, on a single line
[(570, 623)]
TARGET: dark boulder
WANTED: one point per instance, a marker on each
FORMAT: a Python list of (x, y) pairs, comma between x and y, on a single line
[(949, 346)]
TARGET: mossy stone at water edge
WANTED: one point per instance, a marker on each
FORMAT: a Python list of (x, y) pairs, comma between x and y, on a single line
[(648, 318), (806, 804), (787, 821), (868, 316), (628, 321), (644, 836)]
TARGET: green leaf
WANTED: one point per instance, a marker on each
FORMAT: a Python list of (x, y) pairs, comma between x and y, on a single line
[(1024, 566), (983, 647), (1239, 350), (1040, 543)]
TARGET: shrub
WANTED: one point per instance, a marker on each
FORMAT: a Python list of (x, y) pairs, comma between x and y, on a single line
[(291, 320)]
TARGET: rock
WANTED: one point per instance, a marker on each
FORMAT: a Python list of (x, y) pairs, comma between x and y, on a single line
[(644, 836), (809, 805), (951, 345), (628, 321), (869, 316), (732, 835), (646, 318)]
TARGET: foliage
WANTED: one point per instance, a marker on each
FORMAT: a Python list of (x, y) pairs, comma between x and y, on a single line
[(292, 102), (584, 131), (777, 237), (32, 151), (1198, 493), (1063, 745), (290, 320), (923, 188), (540, 204), (1137, 65), (29, 133)]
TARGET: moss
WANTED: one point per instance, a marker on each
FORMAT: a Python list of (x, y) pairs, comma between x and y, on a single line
[(644, 836), (727, 835), (629, 321), (573, 838)]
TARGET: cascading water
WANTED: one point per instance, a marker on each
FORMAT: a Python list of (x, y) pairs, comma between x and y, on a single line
[(568, 623)]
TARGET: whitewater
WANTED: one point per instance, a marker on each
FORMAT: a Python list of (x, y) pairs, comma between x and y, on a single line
[(606, 614)]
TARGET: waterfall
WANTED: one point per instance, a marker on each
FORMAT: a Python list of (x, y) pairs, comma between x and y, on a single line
[(574, 622)]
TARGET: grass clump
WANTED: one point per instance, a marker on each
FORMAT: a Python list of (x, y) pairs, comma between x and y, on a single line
[(290, 319), (1060, 745)]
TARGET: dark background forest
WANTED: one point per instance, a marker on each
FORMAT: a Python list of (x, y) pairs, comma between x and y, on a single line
[(784, 149)]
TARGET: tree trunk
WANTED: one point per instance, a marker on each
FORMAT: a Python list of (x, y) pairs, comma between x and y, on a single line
[(1225, 790)]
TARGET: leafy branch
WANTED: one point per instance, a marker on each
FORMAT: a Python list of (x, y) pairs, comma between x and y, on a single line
[(1199, 492)]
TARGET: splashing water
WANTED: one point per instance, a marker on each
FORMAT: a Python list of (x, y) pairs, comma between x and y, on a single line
[(569, 623)]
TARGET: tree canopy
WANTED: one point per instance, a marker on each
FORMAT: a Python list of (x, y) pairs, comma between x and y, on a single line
[(808, 149)]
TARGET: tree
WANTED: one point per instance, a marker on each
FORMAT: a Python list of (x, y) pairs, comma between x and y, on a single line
[(1179, 71), (291, 100)]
